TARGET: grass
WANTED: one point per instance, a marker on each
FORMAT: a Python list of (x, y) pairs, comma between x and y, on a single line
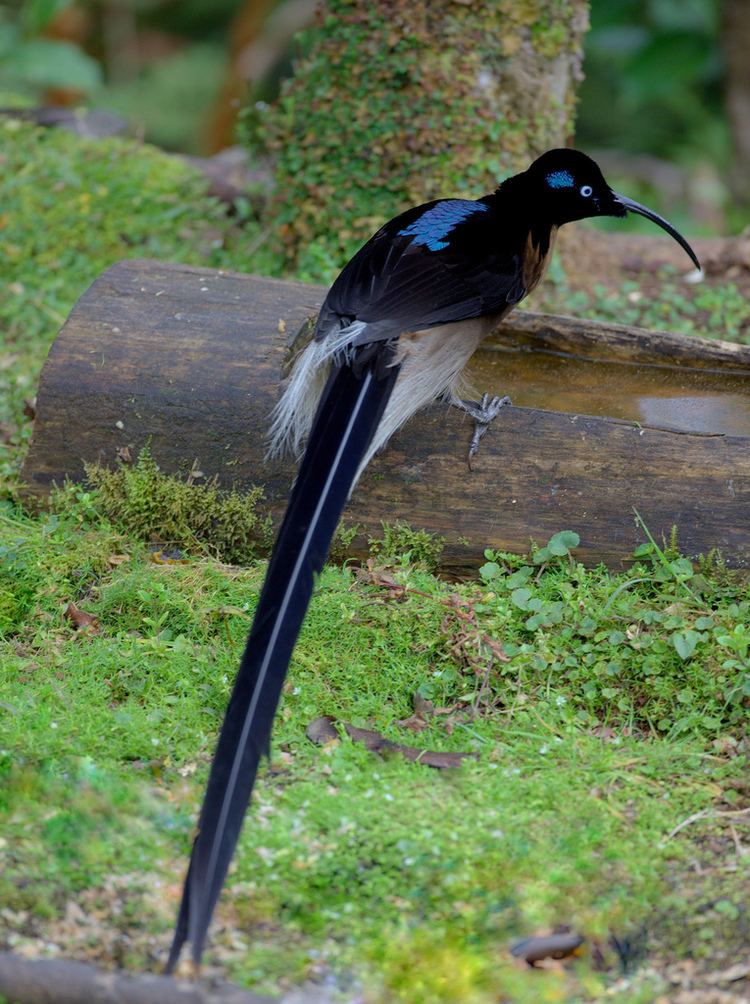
[(598, 737)]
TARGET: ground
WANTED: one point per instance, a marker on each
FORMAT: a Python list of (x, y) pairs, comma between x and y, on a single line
[(606, 791)]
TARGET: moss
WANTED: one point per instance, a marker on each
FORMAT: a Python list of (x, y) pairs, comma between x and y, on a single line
[(153, 506), (69, 208), (376, 873), (401, 542), (400, 102), (712, 309)]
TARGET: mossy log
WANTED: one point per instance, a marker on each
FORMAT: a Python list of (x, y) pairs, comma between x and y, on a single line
[(606, 419)]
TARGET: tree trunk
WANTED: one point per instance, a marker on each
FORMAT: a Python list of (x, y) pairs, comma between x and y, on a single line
[(403, 101), (736, 41)]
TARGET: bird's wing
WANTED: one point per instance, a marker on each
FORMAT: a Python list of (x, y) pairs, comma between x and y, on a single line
[(432, 265)]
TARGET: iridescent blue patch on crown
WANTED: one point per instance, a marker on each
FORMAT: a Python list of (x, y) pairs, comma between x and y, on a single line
[(560, 179), (433, 226)]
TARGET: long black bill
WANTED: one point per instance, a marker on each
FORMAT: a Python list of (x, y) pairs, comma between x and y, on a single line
[(635, 207)]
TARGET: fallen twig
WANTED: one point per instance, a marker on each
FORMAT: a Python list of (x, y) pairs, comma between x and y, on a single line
[(323, 730)]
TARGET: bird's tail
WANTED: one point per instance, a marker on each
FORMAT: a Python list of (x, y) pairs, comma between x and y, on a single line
[(348, 415)]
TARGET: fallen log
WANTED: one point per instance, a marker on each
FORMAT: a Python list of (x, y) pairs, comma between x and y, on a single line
[(606, 418), (62, 981)]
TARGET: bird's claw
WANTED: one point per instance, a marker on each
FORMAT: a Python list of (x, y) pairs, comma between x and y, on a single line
[(483, 413)]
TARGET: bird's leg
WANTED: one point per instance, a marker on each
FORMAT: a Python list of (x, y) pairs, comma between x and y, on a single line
[(483, 412)]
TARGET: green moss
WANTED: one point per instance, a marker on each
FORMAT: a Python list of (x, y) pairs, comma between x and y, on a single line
[(400, 542), (153, 506), (70, 207), (407, 881), (396, 103)]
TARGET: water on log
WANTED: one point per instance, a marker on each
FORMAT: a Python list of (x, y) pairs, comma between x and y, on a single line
[(605, 420)]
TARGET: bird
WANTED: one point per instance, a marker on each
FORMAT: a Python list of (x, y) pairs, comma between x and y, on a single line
[(394, 332)]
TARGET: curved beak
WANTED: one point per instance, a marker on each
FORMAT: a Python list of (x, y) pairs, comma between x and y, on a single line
[(635, 207)]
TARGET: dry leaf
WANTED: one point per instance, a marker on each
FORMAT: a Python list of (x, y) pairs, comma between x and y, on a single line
[(547, 946), (422, 706), (168, 557), (423, 709), (81, 620), (229, 611), (377, 743), (117, 559), (415, 723), (322, 731)]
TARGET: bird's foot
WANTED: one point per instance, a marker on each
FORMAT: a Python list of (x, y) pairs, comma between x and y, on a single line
[(483, 412)]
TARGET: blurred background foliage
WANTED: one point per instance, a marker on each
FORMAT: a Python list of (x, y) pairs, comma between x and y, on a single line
[(653, 105)]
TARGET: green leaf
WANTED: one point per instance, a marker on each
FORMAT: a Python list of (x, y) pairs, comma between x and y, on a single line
[(489, 571), (682, 568), (518, 577), (644, 550), (47, 63), (520, 598), (666, 63), (37, 14), (561, 543), (685, 643)]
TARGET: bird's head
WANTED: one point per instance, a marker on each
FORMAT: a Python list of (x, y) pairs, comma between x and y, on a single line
[(567, 185)]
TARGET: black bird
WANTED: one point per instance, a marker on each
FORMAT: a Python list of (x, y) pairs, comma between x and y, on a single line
[(394, 332)]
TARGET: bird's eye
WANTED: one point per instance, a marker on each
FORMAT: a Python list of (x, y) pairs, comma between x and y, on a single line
[(586, 191)]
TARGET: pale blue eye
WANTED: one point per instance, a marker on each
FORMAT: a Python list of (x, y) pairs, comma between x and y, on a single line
[(586, 191)]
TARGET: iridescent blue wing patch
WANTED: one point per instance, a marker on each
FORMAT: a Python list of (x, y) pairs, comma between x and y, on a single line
[(560, 179), (434, 226)]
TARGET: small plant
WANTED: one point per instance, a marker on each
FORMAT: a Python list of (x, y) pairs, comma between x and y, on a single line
[(558, 546), (162, 508), (400, 542), (33, 61)]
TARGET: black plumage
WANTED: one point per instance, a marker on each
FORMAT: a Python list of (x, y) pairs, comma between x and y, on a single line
[(394, 332), (348, 414)]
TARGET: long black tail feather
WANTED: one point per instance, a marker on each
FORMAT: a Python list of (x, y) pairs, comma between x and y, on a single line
[(348, 415)]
